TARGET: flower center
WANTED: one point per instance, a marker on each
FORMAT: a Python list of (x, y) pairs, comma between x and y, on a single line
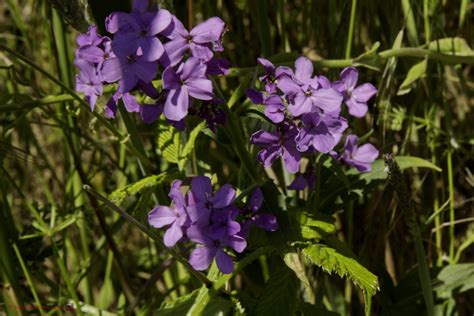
[(131, 59)]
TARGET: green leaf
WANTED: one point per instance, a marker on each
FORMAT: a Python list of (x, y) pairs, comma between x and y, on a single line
[(279, 294), (456, 278), (378, 168), (188, 148), (119, 195), (239, 91), (451, 45), (178, 306), (340, 260), (416, 72), (169, 144), (314, 226)]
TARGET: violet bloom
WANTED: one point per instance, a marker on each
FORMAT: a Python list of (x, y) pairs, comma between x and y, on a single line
[(276, 144), (223, 222), (201, 40), (212, 246), (175, 217), (140, 35), (360, 157), (274, 106), (321, 132), (95, 54), (188, 81), (306, 179), (128, 68), (90, 38), (305, 93), (251, 215), (88, 82), (272, 74), (205, 201), (130, 102), (354, 97)]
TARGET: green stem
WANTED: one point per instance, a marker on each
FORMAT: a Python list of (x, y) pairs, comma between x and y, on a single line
[(451, 205), (28, 278), (386, 54), (351, 29)]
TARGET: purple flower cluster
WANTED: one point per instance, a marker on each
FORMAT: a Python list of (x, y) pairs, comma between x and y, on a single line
[(146, 45), (210, 219), (307, 112)]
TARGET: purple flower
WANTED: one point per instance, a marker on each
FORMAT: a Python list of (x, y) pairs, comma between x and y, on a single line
[(205, 200), (223, 222), (360, 157), (276, 144), (129, 101), (129, 68), (89, 38), (201, 40), (188, 80), (175, 217), (305, 93), (320, 132), (140, 35), (274, 106), (251, 215), (213, 246), (272, 74), (306, 179), (95, 54), (354, 97), (88, 82)]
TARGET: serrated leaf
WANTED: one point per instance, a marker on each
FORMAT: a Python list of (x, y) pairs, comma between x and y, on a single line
[(279, 294), (178, 306), (119, 195), (379, 173), (338, 259), (168, 143), (416, 72), (188, 148), (452, 46)]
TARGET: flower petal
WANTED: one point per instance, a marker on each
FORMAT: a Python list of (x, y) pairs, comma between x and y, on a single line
[(349, 76), (201, 257), (356, 109), (172, 235), (202, 188), (224, 196), (364, 92), (176, 104), (303, 69), (200, 88), (224, 262), (161, 216), (208, 31), (159, 22)]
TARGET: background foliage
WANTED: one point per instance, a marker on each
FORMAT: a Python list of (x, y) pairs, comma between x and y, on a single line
[(59, 245)]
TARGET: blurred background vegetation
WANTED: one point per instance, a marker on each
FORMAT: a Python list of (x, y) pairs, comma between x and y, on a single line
[(57, 245)]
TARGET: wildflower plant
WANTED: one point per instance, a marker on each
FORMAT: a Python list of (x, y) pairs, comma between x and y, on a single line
[(150, 53)]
